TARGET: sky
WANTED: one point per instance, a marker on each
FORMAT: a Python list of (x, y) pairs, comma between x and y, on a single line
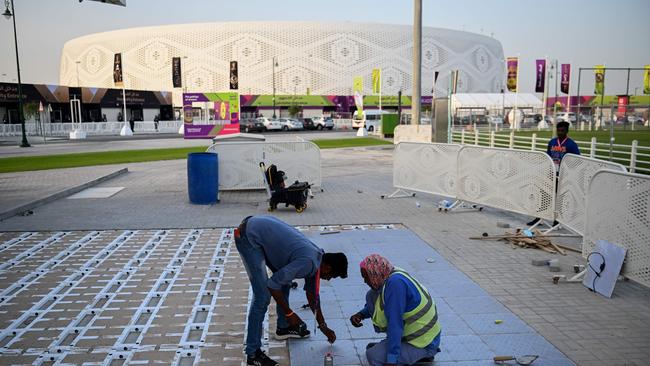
[(584, 33)]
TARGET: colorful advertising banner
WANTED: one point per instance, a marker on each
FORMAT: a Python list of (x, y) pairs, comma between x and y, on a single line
[(623, 101), (513, 69), (234, 76), (565, 81), (540, 70), (226, 110), (599, 88), (646, 80), (177, 75), (117, 70), (376, 81), (357, 88)]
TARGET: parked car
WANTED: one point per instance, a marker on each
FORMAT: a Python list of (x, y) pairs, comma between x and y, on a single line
[(323, 122), (308, 124), (251, 125), (495, 120), (290, 124), (635, 119), (270, 124), (567, 117)]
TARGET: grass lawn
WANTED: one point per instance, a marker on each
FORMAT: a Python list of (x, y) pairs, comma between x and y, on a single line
[(623, 137), (42, 162), (350, 142)]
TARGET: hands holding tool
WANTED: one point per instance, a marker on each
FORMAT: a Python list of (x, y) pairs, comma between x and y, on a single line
[(357, 320), (331, 336)]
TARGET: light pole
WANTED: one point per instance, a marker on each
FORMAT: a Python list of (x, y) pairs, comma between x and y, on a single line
[(21, 115), (275, 64)]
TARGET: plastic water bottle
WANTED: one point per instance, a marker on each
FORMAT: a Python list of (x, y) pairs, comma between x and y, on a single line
[(328, 360), (417, 204)]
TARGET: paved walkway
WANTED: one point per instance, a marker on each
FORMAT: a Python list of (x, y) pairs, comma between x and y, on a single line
[(587, 328)]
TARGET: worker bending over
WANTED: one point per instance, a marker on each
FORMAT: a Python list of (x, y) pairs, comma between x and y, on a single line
[(265, 241)]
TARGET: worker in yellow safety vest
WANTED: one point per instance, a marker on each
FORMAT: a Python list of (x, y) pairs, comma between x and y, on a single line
[(402, 308)]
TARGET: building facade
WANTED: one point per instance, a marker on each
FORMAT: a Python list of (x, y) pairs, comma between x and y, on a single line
[(298, 58)]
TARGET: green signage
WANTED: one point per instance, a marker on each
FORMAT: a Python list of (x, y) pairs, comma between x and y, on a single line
[(289, 100), (386, 100)]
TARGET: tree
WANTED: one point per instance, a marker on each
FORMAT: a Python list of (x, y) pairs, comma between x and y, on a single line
[(30, 110), (294, 110)]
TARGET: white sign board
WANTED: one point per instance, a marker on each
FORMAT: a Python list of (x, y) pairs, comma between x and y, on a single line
[(599, 278)]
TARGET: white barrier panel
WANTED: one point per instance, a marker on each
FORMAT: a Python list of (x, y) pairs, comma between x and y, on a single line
[(618, 211), (412, 133), (91, 128), (575, 174), (512, 180), (239, 162), (429, 168)]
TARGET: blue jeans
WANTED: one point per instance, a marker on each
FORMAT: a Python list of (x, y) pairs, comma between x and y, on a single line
[(409, 354), (253, 258)]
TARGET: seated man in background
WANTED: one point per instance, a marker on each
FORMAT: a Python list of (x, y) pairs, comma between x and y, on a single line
[(401, 307)]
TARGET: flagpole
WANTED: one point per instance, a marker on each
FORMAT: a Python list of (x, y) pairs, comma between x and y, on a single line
[(126, 129), (568, 102), (545, 96), (514, 114)]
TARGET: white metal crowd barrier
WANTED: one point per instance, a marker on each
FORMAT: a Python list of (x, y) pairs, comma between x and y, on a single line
[(429, 168), (91, 128), (239, 162), (512, 180), (618, 210), (412, 133), (575, 174)]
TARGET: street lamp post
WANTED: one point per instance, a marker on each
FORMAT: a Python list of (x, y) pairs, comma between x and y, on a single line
[(21, 114), (275, 64)]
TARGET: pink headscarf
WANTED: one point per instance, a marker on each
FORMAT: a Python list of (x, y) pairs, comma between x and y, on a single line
[(377, 268)]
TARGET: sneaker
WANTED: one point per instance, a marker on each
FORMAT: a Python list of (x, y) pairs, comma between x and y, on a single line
[(260, 359), (370, 345), (531, 223), (300, 331)]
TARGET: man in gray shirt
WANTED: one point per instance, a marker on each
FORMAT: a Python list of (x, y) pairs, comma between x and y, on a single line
[(265, 241)]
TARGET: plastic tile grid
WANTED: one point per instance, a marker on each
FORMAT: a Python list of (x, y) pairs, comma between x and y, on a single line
[(467, 313), (118, 297)]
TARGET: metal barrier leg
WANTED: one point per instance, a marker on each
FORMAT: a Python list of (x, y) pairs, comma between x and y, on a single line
[(553, 228), (462, 205), (399, 193)]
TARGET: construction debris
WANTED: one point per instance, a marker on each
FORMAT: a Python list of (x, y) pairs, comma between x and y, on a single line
[(527, 239)]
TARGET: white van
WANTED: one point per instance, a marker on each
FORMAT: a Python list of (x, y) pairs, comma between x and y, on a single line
[(371, 119)]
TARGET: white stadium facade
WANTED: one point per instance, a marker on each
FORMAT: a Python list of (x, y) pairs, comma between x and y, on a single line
[(310, 58)]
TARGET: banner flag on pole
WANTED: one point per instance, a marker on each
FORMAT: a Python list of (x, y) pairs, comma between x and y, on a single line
[(234, 76), (646, 80), (599, 88), (540, 69), (454, 81), (177, 75), (565, 81), (376, 81), (357, 87), (117, 70), (513, 69)]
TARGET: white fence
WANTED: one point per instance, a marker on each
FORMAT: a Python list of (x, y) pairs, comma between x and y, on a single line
[(512, 180), (91, 128), (429, 168), (575, 174), (412, 133), (634, 157), (239, 162), (618, 210)]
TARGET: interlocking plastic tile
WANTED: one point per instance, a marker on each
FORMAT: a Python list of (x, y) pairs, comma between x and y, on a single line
[(475, 305), (485, 323), (463, 348), (307, 352), (521, 344)]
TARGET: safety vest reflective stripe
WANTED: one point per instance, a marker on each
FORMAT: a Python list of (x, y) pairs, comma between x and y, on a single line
[(423, 330)]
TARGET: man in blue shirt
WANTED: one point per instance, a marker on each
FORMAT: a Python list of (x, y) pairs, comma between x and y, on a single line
[(557, 148), (265, 241), (401, 307)]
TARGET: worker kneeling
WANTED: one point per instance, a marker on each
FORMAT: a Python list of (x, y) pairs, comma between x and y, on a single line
[(402, 308), (264, 241)]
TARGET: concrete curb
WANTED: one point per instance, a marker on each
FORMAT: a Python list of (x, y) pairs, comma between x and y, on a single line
[(61, 194)]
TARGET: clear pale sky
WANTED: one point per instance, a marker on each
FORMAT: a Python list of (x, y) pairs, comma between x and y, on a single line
[(582, 32)]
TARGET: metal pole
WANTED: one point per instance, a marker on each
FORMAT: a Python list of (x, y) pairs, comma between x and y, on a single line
[(545, 96), (578, 94), (555, 64), (417, 62), (21, 113), (627, 95), (274, 115)]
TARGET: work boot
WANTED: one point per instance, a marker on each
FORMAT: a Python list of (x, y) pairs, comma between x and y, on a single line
[(370, 345), (260, 359), (300, 331)]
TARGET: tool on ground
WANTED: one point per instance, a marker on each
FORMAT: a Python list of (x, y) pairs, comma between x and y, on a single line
[(521, 360)]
